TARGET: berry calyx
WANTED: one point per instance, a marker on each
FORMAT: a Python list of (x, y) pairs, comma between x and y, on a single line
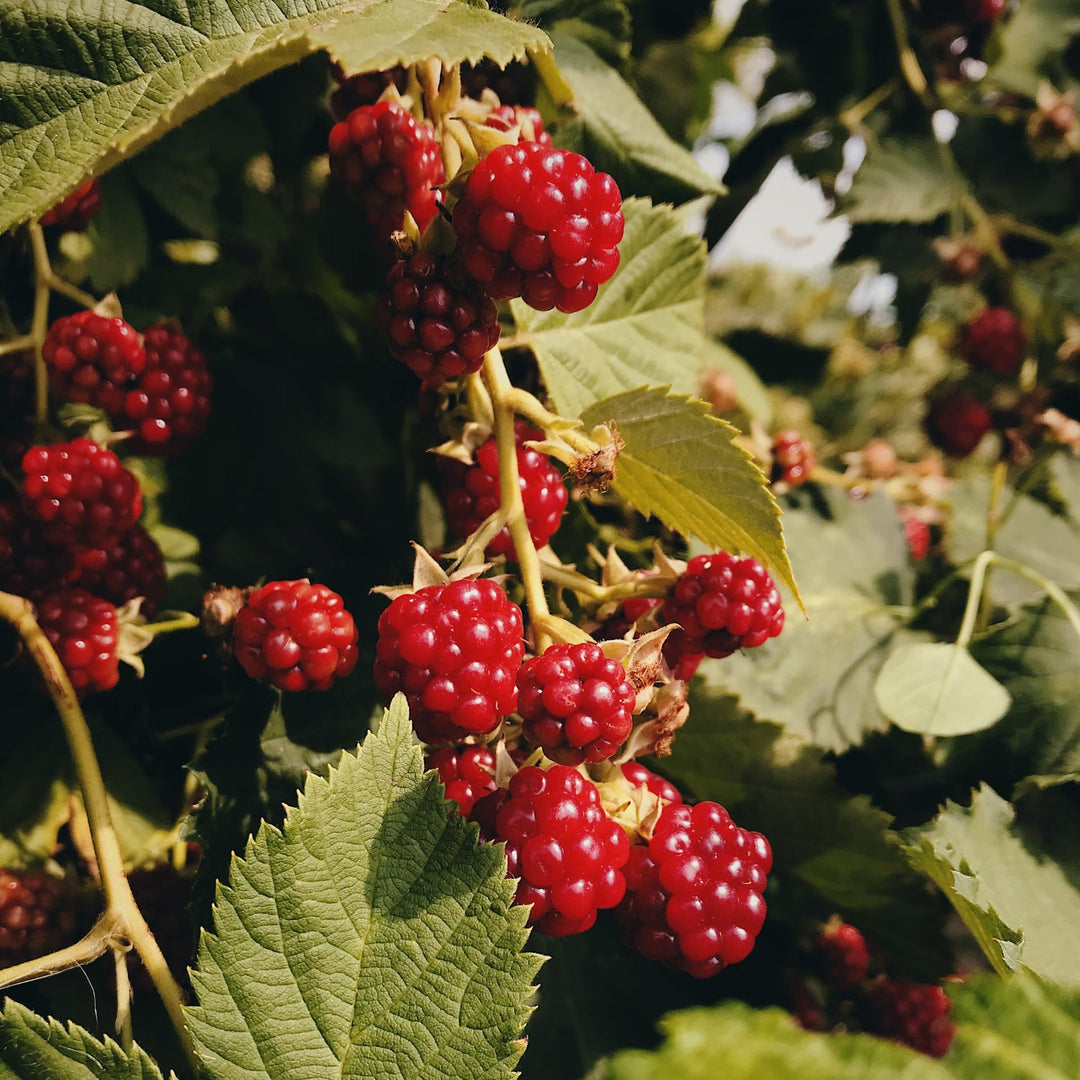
[(956, 423), (92, 358), (845, 958), (565, 851), (76, 210), (295, 636), (168, 404), (131, 566), (79, 493), (640, 776), (541, 224), (915, 1014), (576, 703), (722, 603), (694, 891), (390, 163), (39, 914), (84, 631), (454, 650), (467, 771), (435, 318), (793, 459), (993, 341), (472, 492)]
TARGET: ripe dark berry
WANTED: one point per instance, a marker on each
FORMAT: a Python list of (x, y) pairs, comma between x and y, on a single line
[(576, 703), (540, 224), (525, 117), (390, 163), (163, 895), (694, 891), (956, 423), (844, 955), (568, 854), (454, 651), (128, 567), (16, 406), (75, 210), (993, 341), (435, 318), (80, 493), (91, 358), (723, 603), (38, 914), (28, 566), (467, 771), (471, 493), (912, 1013), (84, 632), (168, 404), (793, 459), (295, 636), (639, 776)]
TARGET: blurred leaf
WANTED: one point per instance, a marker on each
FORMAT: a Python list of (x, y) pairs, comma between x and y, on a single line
[(1034, 34), (603, 25), (680, 464), (644, 328), (120, 243), (902, 180), (178, 173), (997, 880), (372, 935)]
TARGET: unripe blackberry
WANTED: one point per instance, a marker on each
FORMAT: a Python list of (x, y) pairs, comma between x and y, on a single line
[(640, 776), (435, 318), (130, 566), (471, 493), (917, 534), (845, 958), (506, 117), (793, 459), (39, 914), (915, 1014), (84, 631), (682, 654), (76, 210), (956, 423), (993, 341), (541, 224), (467, 771), (28, 566)]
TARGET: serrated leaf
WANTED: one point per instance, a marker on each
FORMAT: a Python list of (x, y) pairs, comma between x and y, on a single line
[(938, 688), (680, 464), (902, 180), (88, 83), (737, 1042), (1002, 886), (371, 936), (1036, 32), (817, 677), (32, 1048), (645, 326)]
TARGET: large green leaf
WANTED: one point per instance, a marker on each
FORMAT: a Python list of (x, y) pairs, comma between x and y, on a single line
[(902, 180), (612, 128), (1006, 890), (35, 1049), (370, 936), (86, 83), (1036, 32), (681, 464), (645, 326), (604, 25)]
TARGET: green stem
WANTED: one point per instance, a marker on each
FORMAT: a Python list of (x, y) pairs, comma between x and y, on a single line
[(107, 933), (39, 325), (601, 594), (909, 64), (975, 591), (1054, 591), (183, 621), (17, 344)]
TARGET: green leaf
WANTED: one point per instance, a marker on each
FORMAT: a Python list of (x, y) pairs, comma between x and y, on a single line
[(1037, 32), (937, 688), (737, 1042), (181, 178), (1004, 888), (680, 464), (603, 25), (645, 326), (87, 83), (817, 677), (120, 243), (371, 936), (612, 128), (902, 180), (32, 1048)]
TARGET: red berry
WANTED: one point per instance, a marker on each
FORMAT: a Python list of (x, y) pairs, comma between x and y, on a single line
[(844, 955), (682, 653), (355, 90), (956, 422), (985, 11), (467, 771), (694, 891), (912, 1013), (528, 119), (576, 703), (390, 163), (295, 636), (639, 776), (29, 566), (454, 651), (163, 895), (435, 318), (917, 533), (80, 493), (722, 603), (793, 459), (541, 224), (75, 210), (566, 852), (130, 566), (92, 358), (168, 404), (993, 341), (472, 492), (84, 632), (38, 915)]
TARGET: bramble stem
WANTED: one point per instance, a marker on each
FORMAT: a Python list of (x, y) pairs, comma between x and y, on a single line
[(185, 620), (909, 64), (120, 907), (1054, 591), (975, 592), (106, 934), (16, 344), (40, 323), (601, 594)]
